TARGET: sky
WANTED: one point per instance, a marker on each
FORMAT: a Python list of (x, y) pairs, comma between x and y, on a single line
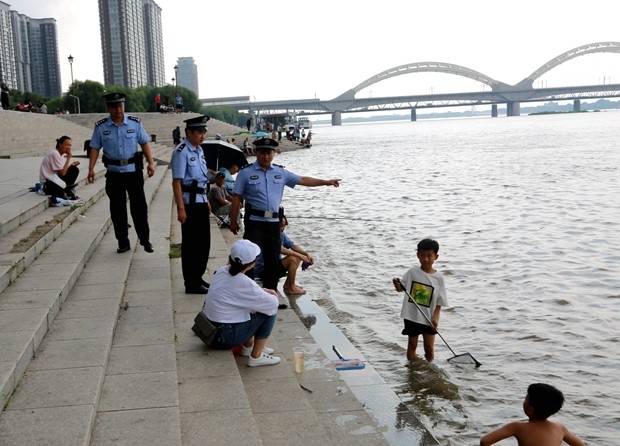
[(275, 49)]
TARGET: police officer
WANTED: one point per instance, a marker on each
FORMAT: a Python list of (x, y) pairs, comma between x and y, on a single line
[(261, 184), (119, 136), (190, 179)]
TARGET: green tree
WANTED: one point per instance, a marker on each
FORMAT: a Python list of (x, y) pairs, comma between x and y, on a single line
[(16, 97), (227, 114), (90, 93)]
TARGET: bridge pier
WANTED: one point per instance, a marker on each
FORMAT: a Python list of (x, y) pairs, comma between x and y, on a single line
[(513, 108), (577, 105), (494, 111), (414, 115), (337, 118)]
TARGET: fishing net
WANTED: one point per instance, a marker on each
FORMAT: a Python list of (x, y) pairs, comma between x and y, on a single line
[(464, 359)]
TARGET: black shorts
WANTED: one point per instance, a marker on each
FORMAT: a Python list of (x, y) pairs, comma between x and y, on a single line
[(415, 329)]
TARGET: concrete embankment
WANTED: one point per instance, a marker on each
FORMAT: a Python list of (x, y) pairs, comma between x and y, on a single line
[(96, 347), (352, 407)]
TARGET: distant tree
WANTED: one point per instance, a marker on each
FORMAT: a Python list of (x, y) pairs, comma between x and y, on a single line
[(90, 93), (139, 99), (226, 113), (16, 96), (60, 103)]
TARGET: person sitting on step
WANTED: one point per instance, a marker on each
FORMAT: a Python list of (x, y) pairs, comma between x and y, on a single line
[(291, 256), (58, 174), (242, 311)]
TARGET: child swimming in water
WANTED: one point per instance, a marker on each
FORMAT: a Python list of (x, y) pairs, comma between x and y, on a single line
[(541, 401)]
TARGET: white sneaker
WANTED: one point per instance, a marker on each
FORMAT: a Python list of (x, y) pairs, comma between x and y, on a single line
[(263, 359), (55, 202), (245, 351)]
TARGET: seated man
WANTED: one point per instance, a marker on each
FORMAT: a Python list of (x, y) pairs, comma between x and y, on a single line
[(228, 176), (293, 256), (219, 199)]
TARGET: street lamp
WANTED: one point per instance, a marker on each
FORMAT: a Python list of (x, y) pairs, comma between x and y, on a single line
[(70, 59)]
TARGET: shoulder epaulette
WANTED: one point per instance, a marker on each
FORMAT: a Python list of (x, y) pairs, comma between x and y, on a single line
[(246, 166), (98, 123), (133, 118), (180, 147), (278, 165)]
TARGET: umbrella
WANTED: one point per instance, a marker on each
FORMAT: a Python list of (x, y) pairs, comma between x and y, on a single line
[(222, 154)]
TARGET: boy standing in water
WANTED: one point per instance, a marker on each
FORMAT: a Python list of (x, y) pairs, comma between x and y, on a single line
[(541, 401), (427, 287)]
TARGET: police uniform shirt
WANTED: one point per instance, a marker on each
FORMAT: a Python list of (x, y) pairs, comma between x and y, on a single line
[(263, 189), (119, 142), (189, 164)]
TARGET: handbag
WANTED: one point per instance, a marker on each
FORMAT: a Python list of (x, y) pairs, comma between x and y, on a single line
[(204, 329)]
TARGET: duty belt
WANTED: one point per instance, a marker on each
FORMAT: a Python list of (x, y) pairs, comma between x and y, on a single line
[(111, 162), (265, 214), (193, 190)]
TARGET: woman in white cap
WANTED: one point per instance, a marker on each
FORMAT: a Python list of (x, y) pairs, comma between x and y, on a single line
[(243, 311)]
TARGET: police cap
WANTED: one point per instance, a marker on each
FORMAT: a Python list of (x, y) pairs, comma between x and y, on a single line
[(197, 123), (114, 98), (265, 144)]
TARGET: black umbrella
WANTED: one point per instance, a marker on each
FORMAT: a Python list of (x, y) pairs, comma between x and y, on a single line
[(222, 154)]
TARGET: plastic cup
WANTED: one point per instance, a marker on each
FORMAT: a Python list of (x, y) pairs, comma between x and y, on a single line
[(298, 359)]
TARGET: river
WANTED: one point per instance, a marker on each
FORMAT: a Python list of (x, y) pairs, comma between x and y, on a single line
[(527, 214)]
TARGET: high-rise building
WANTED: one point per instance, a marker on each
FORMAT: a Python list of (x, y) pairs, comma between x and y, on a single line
[(187, 73), (44, 66), (8, 70), (22, 51), (154, 44), (29, 53), (131, 42)]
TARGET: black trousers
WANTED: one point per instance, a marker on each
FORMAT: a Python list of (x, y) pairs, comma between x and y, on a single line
[(267, 236), (117, 187), (195, 244), (53, 189)]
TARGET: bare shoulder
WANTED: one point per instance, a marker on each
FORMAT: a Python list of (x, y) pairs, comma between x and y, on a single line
[(569, 437)]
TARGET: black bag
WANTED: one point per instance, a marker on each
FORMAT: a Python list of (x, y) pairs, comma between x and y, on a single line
[(204, 329)]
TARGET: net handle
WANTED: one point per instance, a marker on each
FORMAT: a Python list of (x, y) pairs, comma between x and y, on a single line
[(454, 355), (411, 299)]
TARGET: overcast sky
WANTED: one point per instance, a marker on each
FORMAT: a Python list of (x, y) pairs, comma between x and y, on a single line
[(276, 49)]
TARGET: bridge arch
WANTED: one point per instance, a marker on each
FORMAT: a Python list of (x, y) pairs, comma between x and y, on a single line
[(596, 47), (420, 67)]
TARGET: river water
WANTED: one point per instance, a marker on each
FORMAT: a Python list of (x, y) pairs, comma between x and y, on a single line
[(527, 214)]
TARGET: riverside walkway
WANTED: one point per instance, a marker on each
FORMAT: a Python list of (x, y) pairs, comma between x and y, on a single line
[(96, 347)]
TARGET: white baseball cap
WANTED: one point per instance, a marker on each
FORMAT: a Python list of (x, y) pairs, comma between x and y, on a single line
[(244, 251)]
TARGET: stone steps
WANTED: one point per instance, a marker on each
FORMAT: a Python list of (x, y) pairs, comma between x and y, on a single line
[(27, 134), (30, 217), (222, 401), (139, 398), (41, 229), (29, 306), (214, 407)]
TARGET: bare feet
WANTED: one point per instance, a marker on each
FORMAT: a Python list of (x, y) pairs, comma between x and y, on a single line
[(294, 291)]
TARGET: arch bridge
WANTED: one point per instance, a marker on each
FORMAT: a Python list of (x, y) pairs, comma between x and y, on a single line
[(511, 95)]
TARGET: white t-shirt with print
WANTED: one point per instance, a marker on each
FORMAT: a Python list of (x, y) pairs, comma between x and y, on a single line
[(428, 290)]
